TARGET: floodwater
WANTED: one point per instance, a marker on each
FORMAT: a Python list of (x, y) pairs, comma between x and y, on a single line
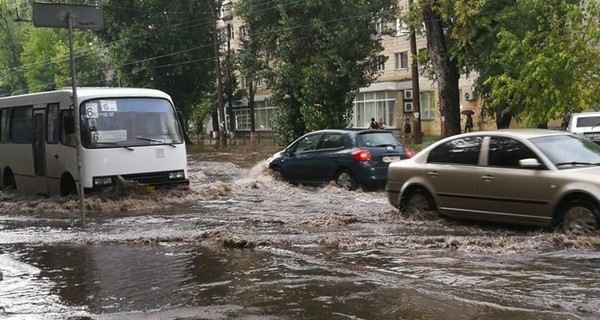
[(240, 245)]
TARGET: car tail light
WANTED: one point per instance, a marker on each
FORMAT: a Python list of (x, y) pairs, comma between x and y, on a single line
[(409, 153), (361, 155)]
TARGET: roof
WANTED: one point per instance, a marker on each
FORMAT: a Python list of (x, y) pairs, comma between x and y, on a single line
[(84, 93), (527, 133)]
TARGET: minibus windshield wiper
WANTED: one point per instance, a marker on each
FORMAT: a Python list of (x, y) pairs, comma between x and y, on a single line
[(115, 144), (156, 140)]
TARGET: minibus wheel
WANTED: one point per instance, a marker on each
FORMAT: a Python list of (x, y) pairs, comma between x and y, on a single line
[(67, 186), (9, 182)]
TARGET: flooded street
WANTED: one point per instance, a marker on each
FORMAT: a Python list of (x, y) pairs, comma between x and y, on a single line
[(241, 245)]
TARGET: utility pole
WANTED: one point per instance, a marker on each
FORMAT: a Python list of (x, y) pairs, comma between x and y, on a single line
[(222, 136), (230, 80), (418, 137)]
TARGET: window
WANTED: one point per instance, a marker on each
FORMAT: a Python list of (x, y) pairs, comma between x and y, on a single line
[(427, 105), (67, 121), (457, 151), (258, 83), (379, 27), (401, 60), (52, 127), (308, 143), (401, 28), (506, 152), (21, 125), (242, 32), (380, 63), (4, 124), (587, 121), (378, 105), (331, 141)]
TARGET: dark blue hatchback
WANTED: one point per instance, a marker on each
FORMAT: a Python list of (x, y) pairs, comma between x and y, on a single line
[(350, 157)]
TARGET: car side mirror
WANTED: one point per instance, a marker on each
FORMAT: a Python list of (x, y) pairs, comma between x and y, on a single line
[(69, 124), (529, 163)]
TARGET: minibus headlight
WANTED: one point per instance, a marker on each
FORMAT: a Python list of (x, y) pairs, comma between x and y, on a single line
[(102, 181), (176, 175)]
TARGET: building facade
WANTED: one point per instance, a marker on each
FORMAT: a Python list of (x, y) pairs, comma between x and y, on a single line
[(389, 98)]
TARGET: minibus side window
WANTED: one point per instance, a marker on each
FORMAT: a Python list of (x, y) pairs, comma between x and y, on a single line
[(4, 121), (67, 133), (21, 125)]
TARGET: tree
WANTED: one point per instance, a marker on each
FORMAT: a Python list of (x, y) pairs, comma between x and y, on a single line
[(46, 59), (437, 16), (317, 55), (536, 59), (12, 79), (163, 44)]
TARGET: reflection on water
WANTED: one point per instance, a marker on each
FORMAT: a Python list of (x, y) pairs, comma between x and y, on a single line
[(239, 244), (122, 281)]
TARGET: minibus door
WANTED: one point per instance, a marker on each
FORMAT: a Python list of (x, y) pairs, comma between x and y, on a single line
[(39, 151)]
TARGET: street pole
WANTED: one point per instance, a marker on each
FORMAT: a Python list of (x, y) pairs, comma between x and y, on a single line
[(418, 137), (221, 117), (77, 117), (230, 81)]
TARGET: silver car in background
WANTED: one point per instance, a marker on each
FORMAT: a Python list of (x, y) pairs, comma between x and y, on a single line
[(522, 176)]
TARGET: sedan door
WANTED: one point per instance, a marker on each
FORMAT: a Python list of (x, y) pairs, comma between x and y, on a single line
[(300, 164), (512, 193), (454, 172)]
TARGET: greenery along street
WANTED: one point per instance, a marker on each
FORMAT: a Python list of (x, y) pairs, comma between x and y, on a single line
[(534, 59)]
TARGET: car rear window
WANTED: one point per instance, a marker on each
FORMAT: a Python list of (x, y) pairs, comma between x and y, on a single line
[(588, 121), (377, 139)]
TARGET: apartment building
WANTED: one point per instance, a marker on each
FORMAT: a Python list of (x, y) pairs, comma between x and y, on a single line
[(389, 98)]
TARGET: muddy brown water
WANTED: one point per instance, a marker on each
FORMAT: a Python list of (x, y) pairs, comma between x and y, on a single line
[(240, 245)]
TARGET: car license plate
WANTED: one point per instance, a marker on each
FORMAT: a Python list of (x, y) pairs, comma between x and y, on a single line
[(391, 158), (594, 135), (149, 189)]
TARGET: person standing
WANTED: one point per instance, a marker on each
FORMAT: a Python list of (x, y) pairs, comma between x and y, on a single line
[(407, 128), (374, 124), (565, 121), (469, 123), (381, 123)]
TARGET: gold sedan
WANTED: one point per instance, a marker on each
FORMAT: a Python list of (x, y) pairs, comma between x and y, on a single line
[(523, 176)]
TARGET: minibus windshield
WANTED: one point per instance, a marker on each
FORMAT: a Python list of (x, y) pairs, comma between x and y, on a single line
[(128, 122)]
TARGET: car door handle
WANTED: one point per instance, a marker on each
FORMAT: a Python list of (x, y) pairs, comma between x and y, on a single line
[(433, 174), (487, 177)]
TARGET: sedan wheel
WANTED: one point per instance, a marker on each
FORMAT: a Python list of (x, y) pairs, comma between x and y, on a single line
[(580, 217), (344, 180), (277, 175), (416, 203)]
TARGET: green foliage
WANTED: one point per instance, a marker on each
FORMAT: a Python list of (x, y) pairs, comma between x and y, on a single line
[(47, 64), (12, 38), (537, 59), (315, 55), (166, 45)]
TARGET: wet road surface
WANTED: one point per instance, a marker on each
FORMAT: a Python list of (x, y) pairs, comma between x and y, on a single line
[(241, 245)]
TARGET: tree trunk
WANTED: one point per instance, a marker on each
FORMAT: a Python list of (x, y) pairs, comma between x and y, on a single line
[(446, 72), (503, 121)]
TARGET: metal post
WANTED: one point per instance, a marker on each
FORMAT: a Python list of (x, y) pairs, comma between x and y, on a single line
[(418, 138), (77, 116)]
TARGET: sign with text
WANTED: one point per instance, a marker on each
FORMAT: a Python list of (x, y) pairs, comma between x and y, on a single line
[(56, 15)]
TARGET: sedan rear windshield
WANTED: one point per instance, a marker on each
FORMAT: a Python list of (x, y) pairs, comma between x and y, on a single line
[(379, 139)]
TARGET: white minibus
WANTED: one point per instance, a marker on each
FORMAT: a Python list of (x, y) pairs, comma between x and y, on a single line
[(125, 134)]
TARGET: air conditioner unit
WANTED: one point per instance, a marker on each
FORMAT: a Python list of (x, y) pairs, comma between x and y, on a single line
[(470, 96), (408, 107), (408, 94)]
